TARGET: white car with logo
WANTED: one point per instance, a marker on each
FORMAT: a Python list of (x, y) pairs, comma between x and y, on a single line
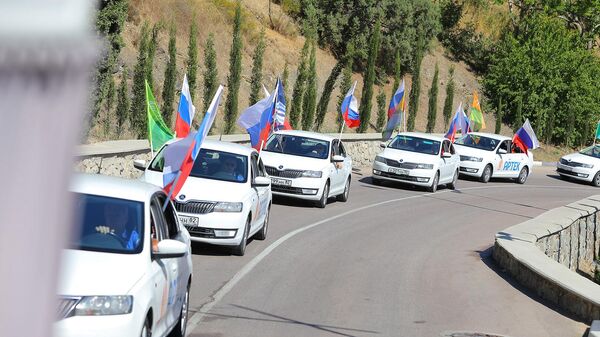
[(417, 159), (307, 165), (227, 197), (486, 155), (128, 268), (583, 165)]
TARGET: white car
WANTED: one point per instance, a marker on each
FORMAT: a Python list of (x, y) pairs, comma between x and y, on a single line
[(128, 268), (227, 197), (583, 166), (486, 155), (307, 165), (417, 159)]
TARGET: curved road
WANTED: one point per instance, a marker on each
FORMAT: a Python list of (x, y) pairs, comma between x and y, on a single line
[(392, 261)]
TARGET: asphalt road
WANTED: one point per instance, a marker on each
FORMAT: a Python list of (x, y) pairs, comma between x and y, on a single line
[(392, 261)]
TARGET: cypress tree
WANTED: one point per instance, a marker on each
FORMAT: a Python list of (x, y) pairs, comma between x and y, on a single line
[(309, 102), (284, 80), (137, 115), (152, 45), (367, 92), (257, 64), (433, 93), (499, 116), (192, 61), (110, 100), (397, 72), (326, 95), (415, 90), (210, 71), (346, 79), (168, 93), (518, 114), (122, 102), (235, 72), (449, 101), (299, 87), (381, 113)]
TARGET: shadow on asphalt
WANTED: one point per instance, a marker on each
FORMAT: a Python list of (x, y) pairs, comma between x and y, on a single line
[(201, 248), (487, 259), (433, 196), (293, 202), (368, 183), (567, 179), (273, 318)]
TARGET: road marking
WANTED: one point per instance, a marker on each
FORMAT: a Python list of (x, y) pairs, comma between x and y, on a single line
[(198, 316)]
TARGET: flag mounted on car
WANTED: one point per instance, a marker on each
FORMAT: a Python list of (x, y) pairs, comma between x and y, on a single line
[(476, 117), (350, 109), (158, 132), (185, 111), (525, 138), (395, 112), (459, 122)]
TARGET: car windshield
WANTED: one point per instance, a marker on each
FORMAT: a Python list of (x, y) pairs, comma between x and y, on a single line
[(212, 164), (478, 142), (298, 146), (108, 224), (415, 144), (592, 151)]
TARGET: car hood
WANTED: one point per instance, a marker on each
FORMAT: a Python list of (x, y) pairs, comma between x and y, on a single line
[(275, 159), (409, 157), (85, 273), (581, 158)]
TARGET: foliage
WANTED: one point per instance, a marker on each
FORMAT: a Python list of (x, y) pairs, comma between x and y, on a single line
[(257, 64), (326, 94), (309, 102), (137, 115), (235, 72), (168, 93), (122, 102), (299, 87), (152, 45), (381, 113), (346, 80), (449, 101), (369, 79), (499, 110), (415, 89), (192, 60), (211, 75), (432, 108), (397, 72), (284, 80)]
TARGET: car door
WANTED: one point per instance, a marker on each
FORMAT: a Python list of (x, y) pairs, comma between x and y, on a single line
[(516, 155), (336, 169), (455, 160), (347, 167), (262, 192), (159, 269), (446, 164), (507, 164)]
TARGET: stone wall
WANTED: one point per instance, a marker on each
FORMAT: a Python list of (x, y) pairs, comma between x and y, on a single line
[(116, 165)]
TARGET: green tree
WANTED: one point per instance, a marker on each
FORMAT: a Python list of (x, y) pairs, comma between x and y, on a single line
[(309, 102), (449, 101), (256, 79), (367, 93), (299, 87), (284, 80), (137, 115), (518, 119), (235, 72), (346, 80), (192, 60), (152, 45), (381, 113), (122, 103), (499, 116), (397, 72), (211, 73), (326, 94), (415, 89), (109, 103), (432, 108), (168, 93)]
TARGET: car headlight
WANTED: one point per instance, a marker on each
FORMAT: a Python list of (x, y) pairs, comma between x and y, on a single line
[(234, 207), (380, 159), (469, 158), (587, 165), (425, 166), (312, 174), (104, 305)]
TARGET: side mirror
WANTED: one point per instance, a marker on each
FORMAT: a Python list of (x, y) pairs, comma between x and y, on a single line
[(167, 249), (502, 151), (261, 182), (382, 145), (337, 159), (139, 164), (447, 155)]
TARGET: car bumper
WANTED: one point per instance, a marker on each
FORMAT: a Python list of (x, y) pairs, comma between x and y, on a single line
[(415, 177), (97, 326), (579, 173), (300, 188), (218, 228), (471, 168)]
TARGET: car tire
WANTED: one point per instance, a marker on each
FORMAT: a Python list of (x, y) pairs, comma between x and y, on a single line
[(180, 328), (323, 201), (376, 181), (486, 174), (596, 180), (452, 185), (146, 328), (434, 184), (522, 178), (262, 233), (344, 196), (240, 249)]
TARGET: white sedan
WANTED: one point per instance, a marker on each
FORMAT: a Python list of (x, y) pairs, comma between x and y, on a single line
[(308, 165), (417, 159), (128, 268), (486, 155), (582, 166), (227, 197)]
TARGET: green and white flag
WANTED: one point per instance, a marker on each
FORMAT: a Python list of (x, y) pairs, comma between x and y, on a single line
[(158, 132)]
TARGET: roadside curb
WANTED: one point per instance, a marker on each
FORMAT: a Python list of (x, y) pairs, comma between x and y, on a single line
[(544, 163)]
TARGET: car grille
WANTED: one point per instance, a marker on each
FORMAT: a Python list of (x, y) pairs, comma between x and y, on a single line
[(66, 306), (283, 173), (563, 171), (398, 176), (396, 163), (286, 189), (201, 232), (570, 163), (195, 207)]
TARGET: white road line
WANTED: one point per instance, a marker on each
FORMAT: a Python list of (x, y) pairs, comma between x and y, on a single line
[(200, 313)]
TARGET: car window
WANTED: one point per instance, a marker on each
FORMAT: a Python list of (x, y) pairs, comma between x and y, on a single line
[(504, 146), (158, 162), (220, 165), (158, 220), (446, 147), (335, 148), (298, 146), (415, 144), (254, 167), (170, 216), (261, 168), (452, 150), (478, 142), (342, 150), (592, 151)]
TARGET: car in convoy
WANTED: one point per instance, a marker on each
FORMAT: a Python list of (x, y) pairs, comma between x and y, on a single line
[(227, 197), (417, 159), (128, 268), (307, 165), (583, 165), (486, 155)]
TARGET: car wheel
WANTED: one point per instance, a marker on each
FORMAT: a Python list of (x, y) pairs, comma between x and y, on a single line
[(344, 196), (434, 184), (179, 329), (376, 181), (240, 249), (262, 233), (323, 202), (146, 332), (487, 174), (452, 185), (522, 178), (596, 181)]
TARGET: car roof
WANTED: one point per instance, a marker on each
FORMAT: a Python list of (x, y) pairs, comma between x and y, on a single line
[(423, 135), (309, 134), (490, 135), (97, 184), (223, 146)]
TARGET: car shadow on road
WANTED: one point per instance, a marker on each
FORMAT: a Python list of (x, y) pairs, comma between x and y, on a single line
[(568, 180), (300, 203), (487, 259), (387, 185), (200, 248)]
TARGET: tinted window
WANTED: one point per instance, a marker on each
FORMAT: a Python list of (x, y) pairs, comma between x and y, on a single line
[(592, 151), (298, 146), (478, 142), (415, 144), (172, 226)]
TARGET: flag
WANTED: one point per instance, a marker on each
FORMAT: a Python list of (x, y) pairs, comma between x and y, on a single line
[(525, 137), (185, 111), (476, 115), (459, 122), (350, 109), (395, 112), (158, 132), (180, 156), (280, 108), (598, 131)]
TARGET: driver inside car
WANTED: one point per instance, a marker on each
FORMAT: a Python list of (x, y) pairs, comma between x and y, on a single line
[(116, 217)]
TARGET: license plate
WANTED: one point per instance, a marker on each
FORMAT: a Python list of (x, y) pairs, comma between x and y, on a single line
[(284, 182), (567, 168), (188, 220), (398, 171)]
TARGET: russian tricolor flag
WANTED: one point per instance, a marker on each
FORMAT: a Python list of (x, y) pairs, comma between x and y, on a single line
[(185, 111), (459, 122), (525, 138), (350, 108), (395, 111)]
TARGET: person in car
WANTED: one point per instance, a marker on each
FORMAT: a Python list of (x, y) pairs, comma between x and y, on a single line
[(116, 222), (228, 170), (320, 151)]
